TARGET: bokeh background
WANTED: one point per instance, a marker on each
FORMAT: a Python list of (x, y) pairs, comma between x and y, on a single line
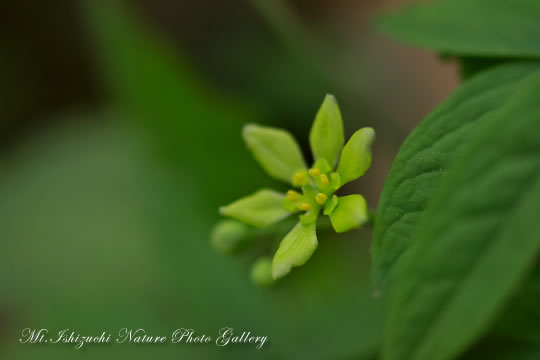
[(120, 138)]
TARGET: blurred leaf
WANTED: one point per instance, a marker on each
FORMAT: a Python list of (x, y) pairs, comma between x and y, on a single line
[(516, 332), (90, 221), (154, 88), (425, 156), (521, 316), (76, 232), (500, 348), (470, 66), (477, 239), (488, 28)]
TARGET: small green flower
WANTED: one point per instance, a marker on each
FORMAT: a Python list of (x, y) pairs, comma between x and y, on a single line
[(315, 187)]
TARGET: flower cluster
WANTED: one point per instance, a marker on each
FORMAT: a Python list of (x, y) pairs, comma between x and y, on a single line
[(313, 193)]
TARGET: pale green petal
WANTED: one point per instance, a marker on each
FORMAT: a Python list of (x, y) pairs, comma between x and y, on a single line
[(326, 137), (311, 215), (261, 272), (276, 151), (356, 155), (323, 165), (330, 205), (351, 212), (261, 209), (295, 249)]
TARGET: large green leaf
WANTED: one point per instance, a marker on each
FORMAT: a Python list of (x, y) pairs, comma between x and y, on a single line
[(476, 241), (487, 28), (516, 332), (501, 348), (425, 156), (521, 317)]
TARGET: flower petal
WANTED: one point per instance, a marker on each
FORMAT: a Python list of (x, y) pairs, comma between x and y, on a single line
[(331, 205), (295, 249), (261, 209), (326, 137), (356, 155), (351, 212), (276, 151)]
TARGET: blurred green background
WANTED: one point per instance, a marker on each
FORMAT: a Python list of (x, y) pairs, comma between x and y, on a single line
[(120, 138)]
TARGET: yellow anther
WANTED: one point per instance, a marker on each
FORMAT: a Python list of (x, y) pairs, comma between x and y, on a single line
[(293, 195), (314, 172), (299, 179), (321, 198), (304, 206), (324, 180)]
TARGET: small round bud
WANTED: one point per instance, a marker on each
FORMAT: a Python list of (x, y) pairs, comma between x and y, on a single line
[(293, 195), (314, 172), (299, 179), (324, 180), (229, 235), (304, 206), (261, 272), (321, 198)]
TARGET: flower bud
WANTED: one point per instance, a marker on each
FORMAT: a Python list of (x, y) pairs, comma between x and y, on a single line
[(228, 235), (261, 272)]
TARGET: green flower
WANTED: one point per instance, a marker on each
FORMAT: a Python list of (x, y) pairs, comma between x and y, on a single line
[(315, 187)]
